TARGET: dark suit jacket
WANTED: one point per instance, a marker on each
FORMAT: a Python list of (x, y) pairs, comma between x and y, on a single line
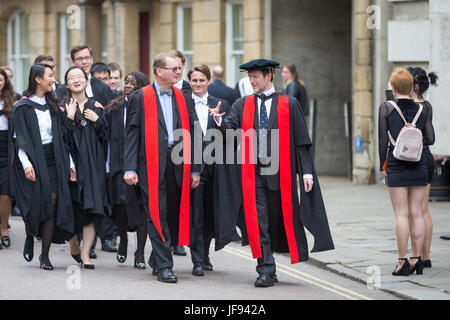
[(219, 90), (135, 153), (234, 121)]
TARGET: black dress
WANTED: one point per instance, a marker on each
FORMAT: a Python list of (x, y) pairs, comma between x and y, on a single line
[(426, 150), (88, 145), (403, 173)]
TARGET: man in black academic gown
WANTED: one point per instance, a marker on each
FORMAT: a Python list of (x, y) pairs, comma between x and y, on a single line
[(216, 202), (152, 150), (274, 217), (82, 56)]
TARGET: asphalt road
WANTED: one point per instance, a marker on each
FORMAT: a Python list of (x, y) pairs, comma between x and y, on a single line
[(232, 279)]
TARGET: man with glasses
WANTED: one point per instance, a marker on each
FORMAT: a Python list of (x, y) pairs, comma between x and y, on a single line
[(158, 111), (82, 56)]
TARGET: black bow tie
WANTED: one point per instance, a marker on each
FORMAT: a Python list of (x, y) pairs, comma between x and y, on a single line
[(165, 91)]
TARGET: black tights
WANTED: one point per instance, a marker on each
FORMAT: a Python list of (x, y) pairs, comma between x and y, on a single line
[(47, 228), (121, 220)]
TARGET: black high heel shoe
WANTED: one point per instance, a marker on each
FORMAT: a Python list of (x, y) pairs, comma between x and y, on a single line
[(76, 257), (45, 263), (28, 248), (404, 271), (6, 241), (89, 266), (122, 250), (139, 262), (418, 267), (426, 263)]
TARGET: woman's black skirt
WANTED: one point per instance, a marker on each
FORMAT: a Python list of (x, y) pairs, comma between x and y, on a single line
[(51, 166), (406, 174), (4, 164)]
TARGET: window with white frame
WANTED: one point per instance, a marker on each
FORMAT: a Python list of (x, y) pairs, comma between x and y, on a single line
[(19, 49), (184, 34), (65, 41), (234, 41)]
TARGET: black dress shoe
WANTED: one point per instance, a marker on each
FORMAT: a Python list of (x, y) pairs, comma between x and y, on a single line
[(92, 254), (122, 250), (108, 246), (274, 277), (198, 271), (45, 263), (28, 248), (264, 280), (208, 266), (166, 275), (154, 272), (179, 251)]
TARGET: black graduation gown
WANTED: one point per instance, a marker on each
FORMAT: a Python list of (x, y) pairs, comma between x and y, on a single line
[(88, 146), (310, 212), (119, 192), (34, 198), (222, 200), (135, 147)]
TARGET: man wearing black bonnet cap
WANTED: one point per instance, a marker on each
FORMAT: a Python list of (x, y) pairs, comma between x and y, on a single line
[(273, 215)]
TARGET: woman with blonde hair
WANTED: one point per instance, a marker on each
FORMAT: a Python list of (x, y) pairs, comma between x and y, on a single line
[(406, 179)]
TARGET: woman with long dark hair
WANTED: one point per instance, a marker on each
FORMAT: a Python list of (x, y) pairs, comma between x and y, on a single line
[(42, 172), (295, 87), (128, 214), (88, 130), (6, 103), (422, 82)]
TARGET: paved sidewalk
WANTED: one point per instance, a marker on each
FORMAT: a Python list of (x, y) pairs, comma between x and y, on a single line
[(362, 223)]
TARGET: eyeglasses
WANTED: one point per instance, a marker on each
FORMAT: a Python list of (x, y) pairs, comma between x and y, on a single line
[(174, 69), (81, 59)]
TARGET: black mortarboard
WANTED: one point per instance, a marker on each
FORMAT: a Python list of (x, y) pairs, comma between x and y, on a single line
[(260, 64)]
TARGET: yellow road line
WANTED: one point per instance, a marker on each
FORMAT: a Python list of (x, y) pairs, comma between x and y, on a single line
[(296, 274)]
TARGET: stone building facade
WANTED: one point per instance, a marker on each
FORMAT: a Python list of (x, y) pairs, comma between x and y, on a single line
[(345, 51)]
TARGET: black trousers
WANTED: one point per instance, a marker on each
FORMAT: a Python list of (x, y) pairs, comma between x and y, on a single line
[(169, 208), (265, 200), (202, 217)]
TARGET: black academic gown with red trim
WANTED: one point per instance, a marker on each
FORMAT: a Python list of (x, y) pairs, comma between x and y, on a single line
[(135, 156), (311, 211)]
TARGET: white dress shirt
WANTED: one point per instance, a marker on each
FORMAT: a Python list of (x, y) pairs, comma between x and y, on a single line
[(3, 119), (179, 84), (45, 129), (201, 107), (88, 89)]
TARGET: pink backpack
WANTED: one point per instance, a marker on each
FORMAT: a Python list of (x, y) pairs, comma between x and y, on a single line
[(409, 144)]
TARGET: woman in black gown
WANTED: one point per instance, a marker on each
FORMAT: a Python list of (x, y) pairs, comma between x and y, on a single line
[(6, 103), (42, 174), (422, 82), (87, 131), (406, 180), (128, 214)]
